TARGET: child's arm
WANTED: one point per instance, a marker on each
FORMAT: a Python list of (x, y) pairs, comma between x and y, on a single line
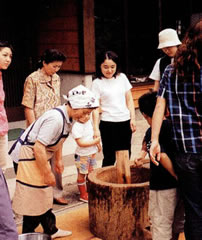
[(83, 143), (167, 164), (139, 161), (141, 156)]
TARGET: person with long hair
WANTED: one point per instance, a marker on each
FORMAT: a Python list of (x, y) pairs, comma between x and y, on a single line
[(117, 111), (8, 228), (181, 90)]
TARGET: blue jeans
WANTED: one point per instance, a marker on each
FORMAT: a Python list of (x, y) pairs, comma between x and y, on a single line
[(189, 171)]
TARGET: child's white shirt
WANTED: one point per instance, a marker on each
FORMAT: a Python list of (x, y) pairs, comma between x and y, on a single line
[(85, 132)]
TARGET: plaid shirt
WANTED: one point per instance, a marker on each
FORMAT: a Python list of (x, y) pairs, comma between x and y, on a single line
[(184, 101)]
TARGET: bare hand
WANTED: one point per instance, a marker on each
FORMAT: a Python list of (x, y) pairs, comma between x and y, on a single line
[(59, 166), (99, 147), (96, 140), (155, 152), (96, 133), (49, 179), (138, 162), (133, 125)]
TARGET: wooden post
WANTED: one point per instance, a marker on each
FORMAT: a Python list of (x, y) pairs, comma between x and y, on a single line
[(123, 166)]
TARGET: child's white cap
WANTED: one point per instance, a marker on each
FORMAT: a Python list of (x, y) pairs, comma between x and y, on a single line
[(168, 38), (81, 97)]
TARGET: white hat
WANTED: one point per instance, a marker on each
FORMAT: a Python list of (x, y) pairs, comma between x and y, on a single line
[(168, 38), (81, 97)]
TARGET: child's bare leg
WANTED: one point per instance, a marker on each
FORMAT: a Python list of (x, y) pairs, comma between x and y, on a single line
[(167, 164)]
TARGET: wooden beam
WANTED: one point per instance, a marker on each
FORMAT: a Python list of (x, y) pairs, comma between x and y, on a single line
[(88, 36)]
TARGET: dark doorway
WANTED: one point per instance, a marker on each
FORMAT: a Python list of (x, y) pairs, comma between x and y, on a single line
[(18, 26)]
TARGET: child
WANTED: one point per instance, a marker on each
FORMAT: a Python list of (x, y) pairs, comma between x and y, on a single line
[(163, 196), (82, 132)]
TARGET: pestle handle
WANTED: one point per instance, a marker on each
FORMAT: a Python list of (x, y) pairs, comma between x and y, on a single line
[(123, 166)]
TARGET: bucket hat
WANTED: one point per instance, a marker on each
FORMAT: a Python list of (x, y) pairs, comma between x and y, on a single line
[(168, 38), (81, 97)]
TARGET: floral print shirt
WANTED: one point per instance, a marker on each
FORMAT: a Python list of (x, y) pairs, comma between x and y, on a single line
[(41, 92)]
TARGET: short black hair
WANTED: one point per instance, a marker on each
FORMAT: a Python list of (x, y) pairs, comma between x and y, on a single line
[(51, 55), (147, 103)]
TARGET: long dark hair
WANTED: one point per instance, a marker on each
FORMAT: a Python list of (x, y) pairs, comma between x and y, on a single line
[(51, 55), (101, 57), (188, 57)]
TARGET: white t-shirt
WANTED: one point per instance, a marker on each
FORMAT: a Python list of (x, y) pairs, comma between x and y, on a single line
[(85, 132), (112, 95), (156, 73)]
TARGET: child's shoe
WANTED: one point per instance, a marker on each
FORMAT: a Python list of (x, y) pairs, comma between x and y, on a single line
[(61, 233), (84, 197), (82, 190)]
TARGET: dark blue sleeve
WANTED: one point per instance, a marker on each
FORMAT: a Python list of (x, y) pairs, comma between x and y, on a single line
[(163, 82)]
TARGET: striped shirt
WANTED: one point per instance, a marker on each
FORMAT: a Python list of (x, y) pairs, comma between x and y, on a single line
[(184, 101)]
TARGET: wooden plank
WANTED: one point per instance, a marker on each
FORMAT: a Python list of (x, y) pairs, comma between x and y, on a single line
[(70, 50), (58, 37), (138, 91), (89, 36), (60, 23)]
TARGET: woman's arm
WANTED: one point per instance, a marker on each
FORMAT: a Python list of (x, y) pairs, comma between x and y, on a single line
[(59, 166), (43, 164), (157, 120), (29, 116), (131, 107), (28, 100), (96, 119), (156, 85)]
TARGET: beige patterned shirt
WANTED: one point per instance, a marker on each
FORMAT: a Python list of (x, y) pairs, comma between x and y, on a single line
[(40, 94)]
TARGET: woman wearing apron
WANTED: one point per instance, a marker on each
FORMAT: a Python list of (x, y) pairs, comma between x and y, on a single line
[(33, 196)]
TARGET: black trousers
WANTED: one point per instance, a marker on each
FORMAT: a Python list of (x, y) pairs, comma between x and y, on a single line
[(115, 136), (47, 220)]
